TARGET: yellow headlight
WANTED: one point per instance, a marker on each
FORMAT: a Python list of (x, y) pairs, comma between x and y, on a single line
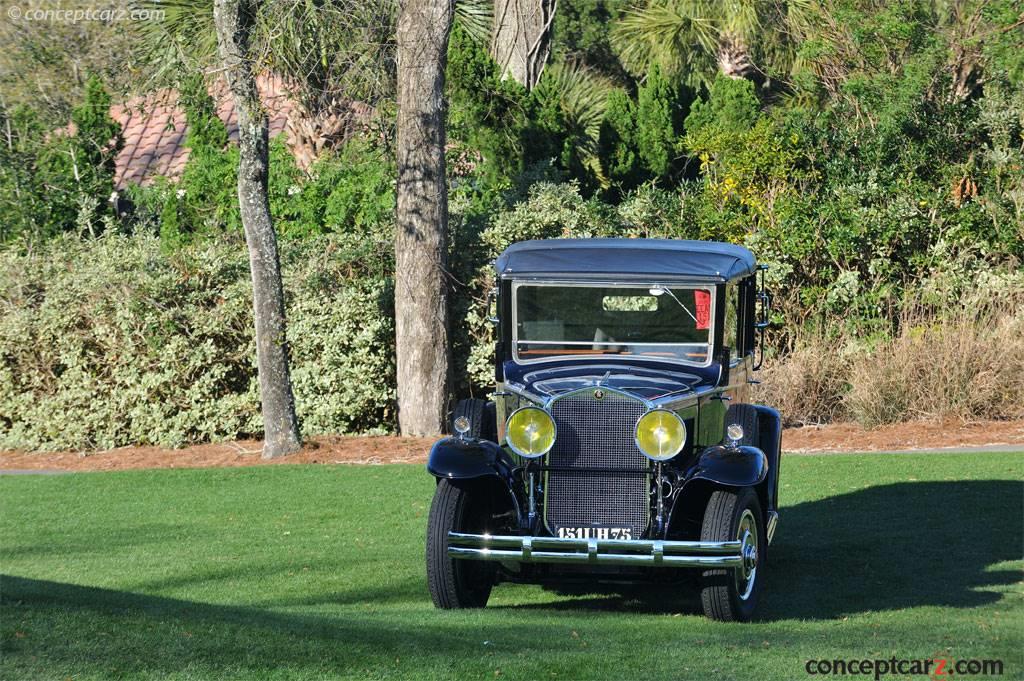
[(660, 434), (530, 432)]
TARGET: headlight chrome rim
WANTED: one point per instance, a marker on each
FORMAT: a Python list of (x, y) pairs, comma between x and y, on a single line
[(517, 450), (682, 442)]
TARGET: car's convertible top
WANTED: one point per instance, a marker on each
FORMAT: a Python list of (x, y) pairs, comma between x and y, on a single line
[(648, 259)]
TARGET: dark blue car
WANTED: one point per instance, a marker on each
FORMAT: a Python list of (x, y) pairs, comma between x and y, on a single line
[(621, 444)]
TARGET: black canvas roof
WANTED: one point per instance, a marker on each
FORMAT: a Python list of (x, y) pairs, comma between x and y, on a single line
[(649, 259)]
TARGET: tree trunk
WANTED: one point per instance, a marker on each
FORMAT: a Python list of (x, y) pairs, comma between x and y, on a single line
[(521, 40), (421, 299), (234, 21)]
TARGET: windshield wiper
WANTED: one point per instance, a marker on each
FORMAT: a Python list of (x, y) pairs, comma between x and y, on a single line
[(659, 290)]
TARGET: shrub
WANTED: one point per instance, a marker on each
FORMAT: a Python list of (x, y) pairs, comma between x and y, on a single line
[(581, 35), (487, 113), (352, 191), (731, 106), (113, 342), (809, 384), (659, 116), (617, 142), (964, 362)]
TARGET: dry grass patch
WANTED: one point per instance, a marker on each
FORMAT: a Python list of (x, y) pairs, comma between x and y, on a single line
[(965, 364)]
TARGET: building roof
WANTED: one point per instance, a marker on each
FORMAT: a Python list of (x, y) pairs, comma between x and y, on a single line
[(648, 259), (154, 128)]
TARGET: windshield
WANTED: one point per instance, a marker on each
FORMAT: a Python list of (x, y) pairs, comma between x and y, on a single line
[(655, 321)]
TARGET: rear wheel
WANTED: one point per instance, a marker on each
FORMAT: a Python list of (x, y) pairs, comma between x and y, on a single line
[(730, 595), (457, 583)]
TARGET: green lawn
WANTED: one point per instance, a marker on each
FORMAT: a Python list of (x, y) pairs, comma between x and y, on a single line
[(310, 572)]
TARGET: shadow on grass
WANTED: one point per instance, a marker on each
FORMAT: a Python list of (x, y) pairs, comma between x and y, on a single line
[(881, 548), (66, 628), (113, 538), (896, 546), (676, 597)]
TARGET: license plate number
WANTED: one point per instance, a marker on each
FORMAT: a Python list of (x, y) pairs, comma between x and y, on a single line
[(595, 533)]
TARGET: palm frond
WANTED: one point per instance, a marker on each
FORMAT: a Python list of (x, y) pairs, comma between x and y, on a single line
[(328, 48), (682, 36), (740, 18), (331, 49), (476, 18), (582, 97), (679, 35), (181, 35)]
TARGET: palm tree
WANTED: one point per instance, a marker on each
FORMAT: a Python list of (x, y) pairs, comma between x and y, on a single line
[(581, 97), (697, 39)]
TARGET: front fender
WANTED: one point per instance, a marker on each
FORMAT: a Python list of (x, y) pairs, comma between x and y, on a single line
[(476, 462), (730, 466), (456, 459)]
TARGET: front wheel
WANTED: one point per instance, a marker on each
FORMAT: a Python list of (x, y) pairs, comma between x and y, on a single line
[(730, 595), (457, 583)]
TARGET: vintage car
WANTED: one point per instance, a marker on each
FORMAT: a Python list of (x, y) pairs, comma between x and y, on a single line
[(621, 444)]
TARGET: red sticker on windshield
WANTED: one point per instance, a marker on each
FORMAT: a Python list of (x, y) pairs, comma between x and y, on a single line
[(702, 299)]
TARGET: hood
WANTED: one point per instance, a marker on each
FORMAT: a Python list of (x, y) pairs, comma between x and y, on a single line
[(648, 383)]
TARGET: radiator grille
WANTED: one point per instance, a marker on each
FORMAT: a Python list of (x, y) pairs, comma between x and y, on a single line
[(597, 433)]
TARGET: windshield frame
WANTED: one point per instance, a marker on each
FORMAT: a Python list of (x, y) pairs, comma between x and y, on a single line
[(711, 287)]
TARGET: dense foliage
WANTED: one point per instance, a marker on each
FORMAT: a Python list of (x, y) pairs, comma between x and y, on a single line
[(872, 154), (111, 341), (58, 181)]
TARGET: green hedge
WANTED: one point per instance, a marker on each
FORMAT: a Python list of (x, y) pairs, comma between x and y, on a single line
[(114, 340), (109, 342)]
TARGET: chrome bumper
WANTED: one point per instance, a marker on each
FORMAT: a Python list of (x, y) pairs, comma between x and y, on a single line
[(641, 552)]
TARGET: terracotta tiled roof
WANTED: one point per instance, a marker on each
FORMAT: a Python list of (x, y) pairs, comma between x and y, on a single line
[(154, 128)]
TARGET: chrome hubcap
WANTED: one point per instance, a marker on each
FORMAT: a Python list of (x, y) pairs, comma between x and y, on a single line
[(746, 533)]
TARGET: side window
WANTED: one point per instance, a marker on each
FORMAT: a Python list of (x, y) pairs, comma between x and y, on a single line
[(730, 334)]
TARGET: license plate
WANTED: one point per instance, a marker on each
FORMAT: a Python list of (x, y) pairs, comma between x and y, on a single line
[(595, 533)]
